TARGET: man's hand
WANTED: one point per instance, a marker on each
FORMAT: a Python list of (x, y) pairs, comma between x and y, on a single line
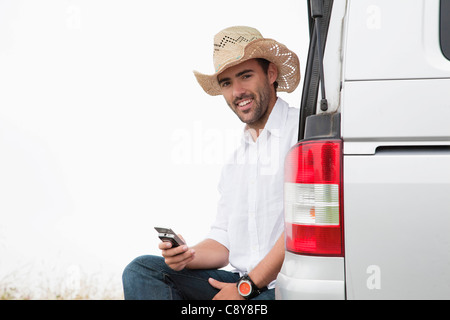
[(176, 258), (228, 291)]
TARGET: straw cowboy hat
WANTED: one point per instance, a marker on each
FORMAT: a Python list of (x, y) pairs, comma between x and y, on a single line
[(238, 44)]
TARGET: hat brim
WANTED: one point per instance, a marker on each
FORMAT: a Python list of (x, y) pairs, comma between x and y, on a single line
[(286, 61)]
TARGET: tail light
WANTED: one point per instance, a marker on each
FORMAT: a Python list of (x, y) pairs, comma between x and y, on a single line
[(313, 198)]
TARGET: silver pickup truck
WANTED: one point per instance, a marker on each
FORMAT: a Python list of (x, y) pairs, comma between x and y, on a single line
[(367, 187)]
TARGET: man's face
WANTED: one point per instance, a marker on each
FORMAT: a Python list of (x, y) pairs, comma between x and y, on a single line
[(248, 90)]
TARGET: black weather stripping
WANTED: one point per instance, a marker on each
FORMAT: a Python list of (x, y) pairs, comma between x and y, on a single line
[(317, 14)]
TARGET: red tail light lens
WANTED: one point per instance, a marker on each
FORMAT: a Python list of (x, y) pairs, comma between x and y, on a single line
[(313, 198)]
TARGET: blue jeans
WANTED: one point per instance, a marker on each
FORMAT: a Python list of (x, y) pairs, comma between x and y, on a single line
[(149, 278)]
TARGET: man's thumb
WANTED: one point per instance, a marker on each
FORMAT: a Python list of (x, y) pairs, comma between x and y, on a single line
[(216, 284)]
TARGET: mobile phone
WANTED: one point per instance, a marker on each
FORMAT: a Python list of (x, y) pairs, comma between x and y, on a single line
[(166, 234)]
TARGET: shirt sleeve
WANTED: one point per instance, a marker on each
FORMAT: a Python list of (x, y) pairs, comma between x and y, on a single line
[(219, 229)]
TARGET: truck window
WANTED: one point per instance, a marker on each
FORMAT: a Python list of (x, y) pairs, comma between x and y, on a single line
[(445, 28)]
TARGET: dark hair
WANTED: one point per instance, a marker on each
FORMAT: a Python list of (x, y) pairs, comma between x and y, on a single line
[(265, 66)]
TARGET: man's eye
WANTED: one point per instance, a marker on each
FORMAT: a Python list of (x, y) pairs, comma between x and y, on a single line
[(224, 84)]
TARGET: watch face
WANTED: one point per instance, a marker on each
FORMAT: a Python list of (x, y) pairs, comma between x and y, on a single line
[(245, 288)]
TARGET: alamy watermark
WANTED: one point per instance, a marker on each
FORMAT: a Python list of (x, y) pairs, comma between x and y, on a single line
[(374, 280), (73, 17), (208, 146)]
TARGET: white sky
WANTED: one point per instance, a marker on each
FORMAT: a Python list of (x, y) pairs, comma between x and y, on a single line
[(104, 131)]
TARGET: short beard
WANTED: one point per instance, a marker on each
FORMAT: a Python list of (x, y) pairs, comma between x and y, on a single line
[(261, 104)]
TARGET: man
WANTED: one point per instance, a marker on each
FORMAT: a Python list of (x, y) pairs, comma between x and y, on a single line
[(248, 231)]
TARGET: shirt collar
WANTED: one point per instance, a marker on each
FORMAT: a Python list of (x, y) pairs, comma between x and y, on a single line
[(275, 123)]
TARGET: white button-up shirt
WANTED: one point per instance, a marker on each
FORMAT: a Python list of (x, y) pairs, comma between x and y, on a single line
[(250, 216)]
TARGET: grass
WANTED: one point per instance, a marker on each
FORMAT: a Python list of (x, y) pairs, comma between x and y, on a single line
[(70, 286)]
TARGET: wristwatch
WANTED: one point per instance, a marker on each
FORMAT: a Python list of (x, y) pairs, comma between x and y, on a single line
[(247, 288)]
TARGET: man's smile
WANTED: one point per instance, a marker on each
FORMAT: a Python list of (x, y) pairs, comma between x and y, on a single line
[(244, 105)]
